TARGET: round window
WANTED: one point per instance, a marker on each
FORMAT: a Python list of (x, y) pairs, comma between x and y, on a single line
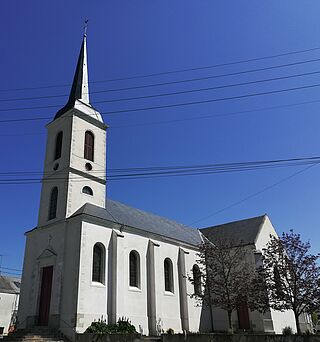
[(88, 167)]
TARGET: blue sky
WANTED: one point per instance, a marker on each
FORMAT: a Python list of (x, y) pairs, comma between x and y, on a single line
[(40, 43)]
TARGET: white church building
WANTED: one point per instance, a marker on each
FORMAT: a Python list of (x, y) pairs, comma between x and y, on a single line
[(90, 257)]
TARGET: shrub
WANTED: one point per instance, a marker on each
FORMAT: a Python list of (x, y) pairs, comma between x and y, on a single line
[(287, 331), (123, 326), (170, 331)]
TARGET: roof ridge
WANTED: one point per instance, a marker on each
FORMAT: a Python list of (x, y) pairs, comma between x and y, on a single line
[(236, 221)]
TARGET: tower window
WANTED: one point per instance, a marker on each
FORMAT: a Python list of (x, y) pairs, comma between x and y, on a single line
[(89, 146), (168, 275), (134, 269), (53, 203), (87, 190), (196, 279), (98, 263), (58, 150)]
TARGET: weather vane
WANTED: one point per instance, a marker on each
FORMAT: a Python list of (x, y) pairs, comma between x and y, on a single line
[(85, 27)]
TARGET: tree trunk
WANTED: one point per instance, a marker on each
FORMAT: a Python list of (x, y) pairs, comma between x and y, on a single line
[(296, 316), (230, 320)]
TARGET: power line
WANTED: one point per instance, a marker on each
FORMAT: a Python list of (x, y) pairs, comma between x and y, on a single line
[(12, 273), (186, 103), (208, 116), (163, 171), (182, 167), (254, 194), (10, 269), (214, 100), (180, 81), (209, 88), (173, 71)]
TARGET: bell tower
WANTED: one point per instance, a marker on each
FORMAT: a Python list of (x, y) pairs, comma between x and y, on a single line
[(75, 162)]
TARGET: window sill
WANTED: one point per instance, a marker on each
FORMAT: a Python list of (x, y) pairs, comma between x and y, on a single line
[(168, 293), (97, 284), (134, 289)]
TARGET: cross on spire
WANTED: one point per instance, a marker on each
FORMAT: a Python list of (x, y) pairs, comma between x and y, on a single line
[(85, 27)]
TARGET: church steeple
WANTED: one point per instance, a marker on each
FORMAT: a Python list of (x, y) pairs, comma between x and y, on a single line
[(79, 93), (75, 164), (80, 85)]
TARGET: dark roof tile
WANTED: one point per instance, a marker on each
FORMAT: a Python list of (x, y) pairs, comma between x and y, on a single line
[(128, 216), (243, 232)]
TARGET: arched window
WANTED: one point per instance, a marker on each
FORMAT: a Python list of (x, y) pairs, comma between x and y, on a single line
[(168, 275), (134, 269), (58, 150), (196, 279), (98, 263), (87, 190), (53, 203), (89, 146)]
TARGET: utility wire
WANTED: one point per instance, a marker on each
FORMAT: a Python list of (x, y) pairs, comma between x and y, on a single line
[(184, 103), (254, 194), (209, 88), (12, 273), (174, 71), (168, 121), (180, 81), (238, 97), (155, 172), (215, 166), (10, 269)]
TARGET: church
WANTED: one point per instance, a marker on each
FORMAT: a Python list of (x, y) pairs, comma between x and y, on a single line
[(90, 257)]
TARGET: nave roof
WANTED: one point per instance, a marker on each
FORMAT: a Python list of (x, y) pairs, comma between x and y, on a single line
[(120, 213)]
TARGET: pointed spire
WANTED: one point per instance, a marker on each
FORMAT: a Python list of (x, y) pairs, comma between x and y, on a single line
[(80, 86)]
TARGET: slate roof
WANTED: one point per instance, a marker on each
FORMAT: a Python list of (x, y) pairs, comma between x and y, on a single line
[(76, 92), (243, 232), (128, 216), (9, 284)]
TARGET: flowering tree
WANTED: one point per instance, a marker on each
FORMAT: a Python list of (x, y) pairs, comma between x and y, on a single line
[(292, 275)]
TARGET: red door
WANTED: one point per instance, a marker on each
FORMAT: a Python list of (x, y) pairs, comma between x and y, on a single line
[(45, 295), (243, 317)]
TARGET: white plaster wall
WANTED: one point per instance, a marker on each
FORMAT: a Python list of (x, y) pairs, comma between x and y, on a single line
[(77, 161), (70, 197), (70, 276), (92, 296), (167, 303), (75, 197), (194, 310), (263, 237), (8, 304), (78, 301), (63, 124), (132, 301), (36, 257), (280, 319), (47, 186)]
